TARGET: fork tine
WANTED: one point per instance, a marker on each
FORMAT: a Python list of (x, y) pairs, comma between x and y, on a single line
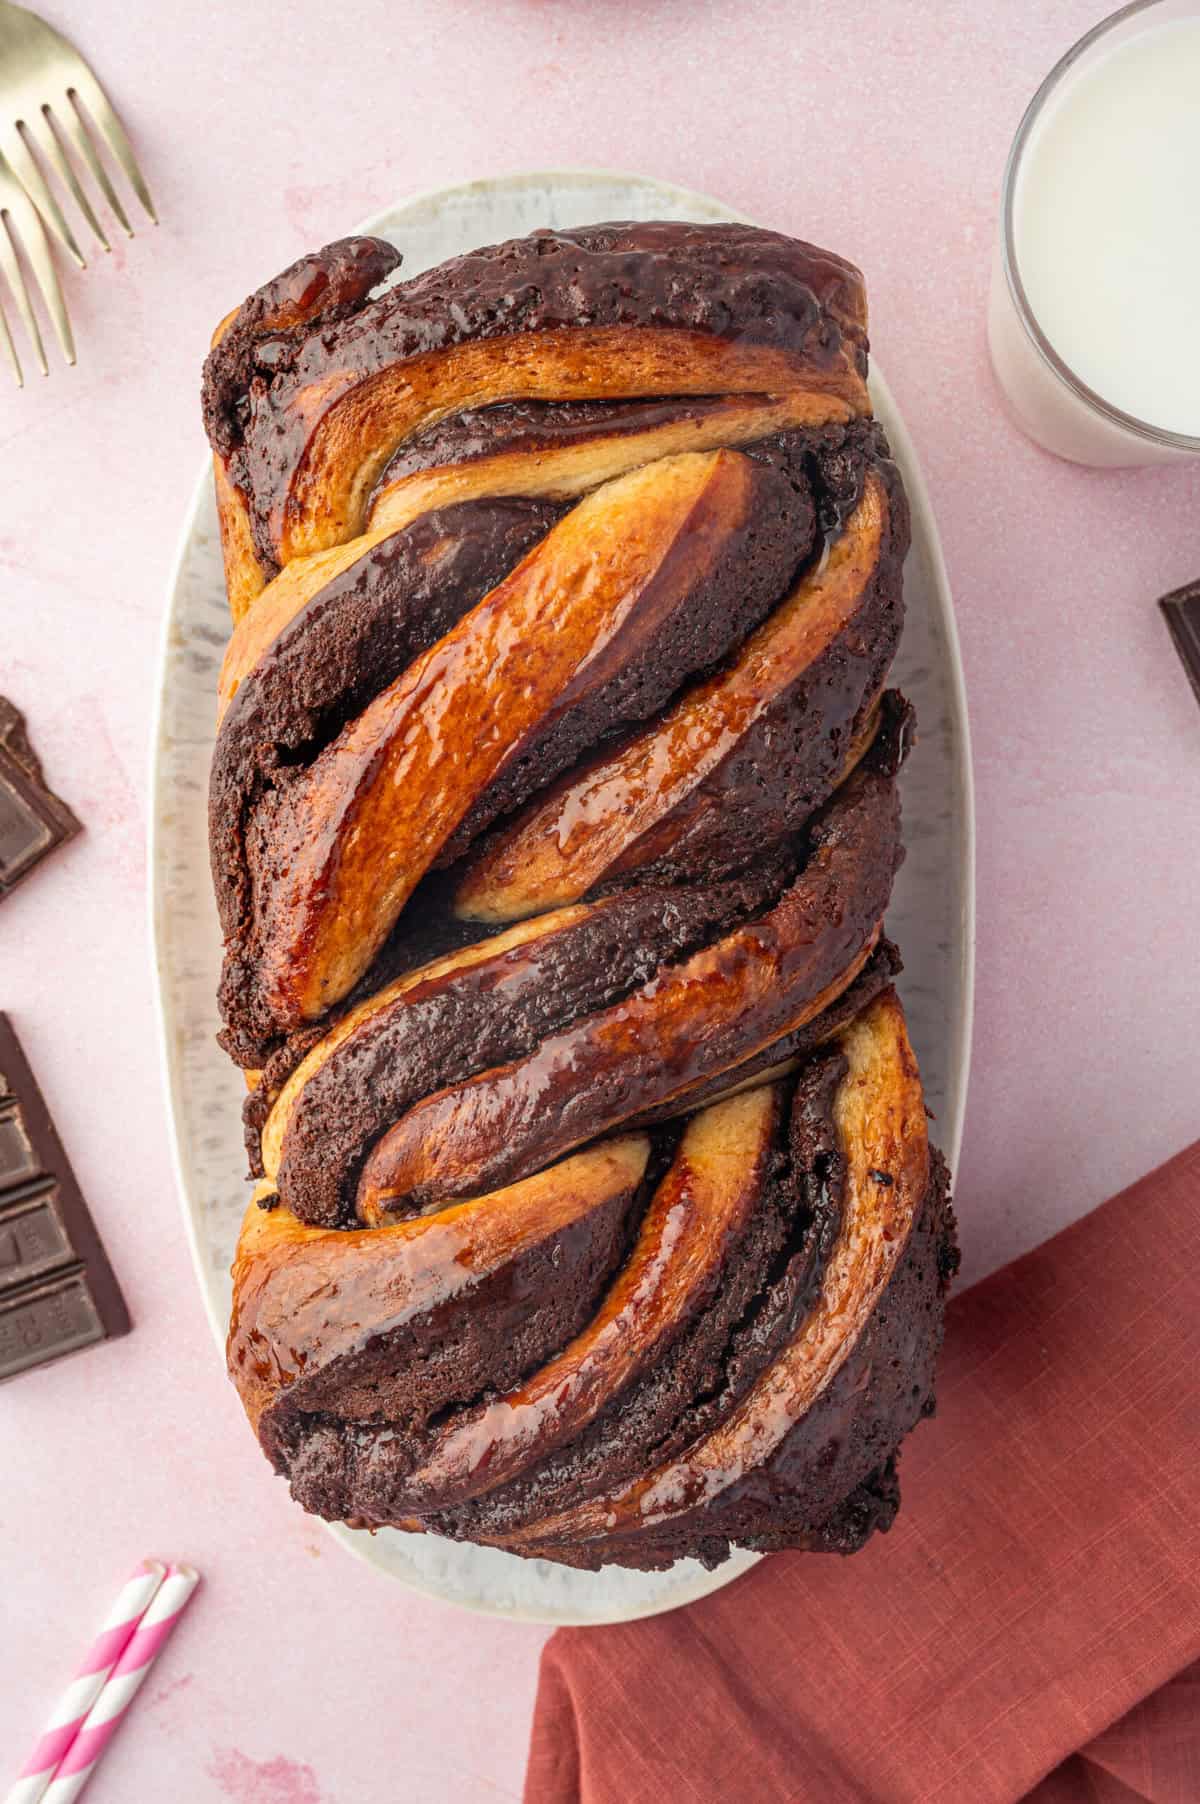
[(41, 261), (88, 89), (10, 347), (11, 270), (79, 136), (49, 142), (25, 168), (22, 215)]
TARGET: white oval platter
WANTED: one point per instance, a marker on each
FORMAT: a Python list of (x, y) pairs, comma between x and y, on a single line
[(932, 913)]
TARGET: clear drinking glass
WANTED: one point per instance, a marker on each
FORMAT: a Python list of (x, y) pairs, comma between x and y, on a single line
[(1048, 399)]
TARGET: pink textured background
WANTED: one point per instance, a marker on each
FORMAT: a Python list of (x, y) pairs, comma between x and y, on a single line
[(881, 128)]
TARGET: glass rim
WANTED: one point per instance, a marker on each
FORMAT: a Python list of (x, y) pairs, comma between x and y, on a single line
[(1158, 435)]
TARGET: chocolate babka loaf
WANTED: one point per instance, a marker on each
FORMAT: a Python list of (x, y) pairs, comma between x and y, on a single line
[(554, 817)]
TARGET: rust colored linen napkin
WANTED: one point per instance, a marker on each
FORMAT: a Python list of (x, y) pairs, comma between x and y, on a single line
[(1031, 1626)]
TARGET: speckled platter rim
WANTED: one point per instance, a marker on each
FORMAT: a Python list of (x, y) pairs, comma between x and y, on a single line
[(940, 989)]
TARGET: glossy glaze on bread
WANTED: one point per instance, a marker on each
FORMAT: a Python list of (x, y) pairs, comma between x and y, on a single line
[(554, 815)]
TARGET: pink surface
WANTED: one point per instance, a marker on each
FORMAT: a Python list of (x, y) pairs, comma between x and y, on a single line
[(300, 1677)]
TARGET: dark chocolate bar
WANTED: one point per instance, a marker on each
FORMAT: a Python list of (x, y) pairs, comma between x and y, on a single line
[(1181, 610), (33, 820), (57, 1289)]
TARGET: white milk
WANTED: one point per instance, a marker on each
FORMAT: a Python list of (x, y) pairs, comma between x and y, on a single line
[(1106, 232)]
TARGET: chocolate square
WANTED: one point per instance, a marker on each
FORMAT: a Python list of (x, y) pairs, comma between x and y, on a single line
[(41, 1322), (33, 1239), (33, 820), (18, 1161), (57, 1289)]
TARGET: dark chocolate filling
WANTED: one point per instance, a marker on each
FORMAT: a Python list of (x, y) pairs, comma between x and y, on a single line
[(485, 1016), (786, 765), (820, 1489), (771, 1286), (530, 427), (732, 281), (492, 1335)]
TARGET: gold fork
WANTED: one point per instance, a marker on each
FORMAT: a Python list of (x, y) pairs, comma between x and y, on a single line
[(21, 228), (51, 104)]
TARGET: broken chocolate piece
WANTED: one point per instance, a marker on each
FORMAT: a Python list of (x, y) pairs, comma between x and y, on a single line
[(32, 818), (1181, 611), (57, 1289)]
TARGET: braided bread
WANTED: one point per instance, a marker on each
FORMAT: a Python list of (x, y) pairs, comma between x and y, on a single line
[(554, 817)]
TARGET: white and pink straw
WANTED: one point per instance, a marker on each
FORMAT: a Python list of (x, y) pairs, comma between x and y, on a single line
[(93, 1705)]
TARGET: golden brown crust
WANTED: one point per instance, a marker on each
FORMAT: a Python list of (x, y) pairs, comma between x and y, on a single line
[(245, 576), (244, 573)]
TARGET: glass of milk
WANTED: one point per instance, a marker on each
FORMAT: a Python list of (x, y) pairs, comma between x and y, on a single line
[(1094, 315)]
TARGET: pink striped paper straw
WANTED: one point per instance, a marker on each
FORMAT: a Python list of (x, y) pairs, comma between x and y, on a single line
[(86, 1686), (106, 1714)]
